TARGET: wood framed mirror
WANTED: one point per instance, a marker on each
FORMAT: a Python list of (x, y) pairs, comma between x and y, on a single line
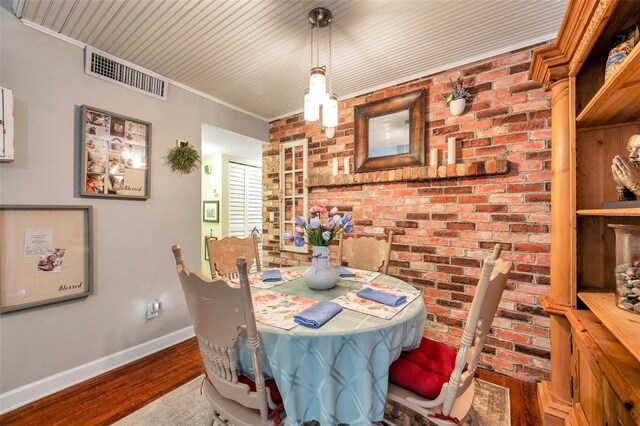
[(389, 133)]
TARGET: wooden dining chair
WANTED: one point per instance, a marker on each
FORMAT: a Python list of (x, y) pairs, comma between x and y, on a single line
[(224, 252), (219, 312), (365, 252), (436, 381)]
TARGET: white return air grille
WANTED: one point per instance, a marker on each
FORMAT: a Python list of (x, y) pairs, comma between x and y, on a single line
[(123, 73)]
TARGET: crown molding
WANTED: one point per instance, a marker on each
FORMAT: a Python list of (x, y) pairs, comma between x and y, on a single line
[(583, 23)]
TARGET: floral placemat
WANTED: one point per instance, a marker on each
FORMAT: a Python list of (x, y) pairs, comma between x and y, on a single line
[(255, 280), (353, 302), (278, 309), (362, 275)]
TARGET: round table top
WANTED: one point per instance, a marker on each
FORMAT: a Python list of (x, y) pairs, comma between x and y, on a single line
[(347, 320), (337, 373)]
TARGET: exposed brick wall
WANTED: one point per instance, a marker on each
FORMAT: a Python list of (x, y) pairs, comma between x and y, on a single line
[(444, 228)]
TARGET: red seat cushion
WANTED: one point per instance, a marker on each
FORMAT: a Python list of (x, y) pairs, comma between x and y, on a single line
[(270, 383), (425, 369)]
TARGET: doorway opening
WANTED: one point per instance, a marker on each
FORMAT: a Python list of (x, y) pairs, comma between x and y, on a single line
[(231, 187)]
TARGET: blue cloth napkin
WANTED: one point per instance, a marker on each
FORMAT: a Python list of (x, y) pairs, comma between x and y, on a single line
[(381, 297), (271, 275), (316, 315), (344, 272)]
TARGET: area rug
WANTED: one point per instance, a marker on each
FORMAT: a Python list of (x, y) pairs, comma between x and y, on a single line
[(491, 404), (185, 406)]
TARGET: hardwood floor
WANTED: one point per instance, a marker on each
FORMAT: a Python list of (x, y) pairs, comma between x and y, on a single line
[(116, 394)]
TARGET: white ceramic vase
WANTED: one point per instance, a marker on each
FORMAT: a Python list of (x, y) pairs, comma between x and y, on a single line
[(457, 106), (320, 275)]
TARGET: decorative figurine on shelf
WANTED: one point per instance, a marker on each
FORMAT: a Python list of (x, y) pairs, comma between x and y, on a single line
[(623, 45), (626, 172)]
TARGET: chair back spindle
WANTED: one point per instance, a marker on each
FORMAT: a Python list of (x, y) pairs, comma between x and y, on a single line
[(251, 326)]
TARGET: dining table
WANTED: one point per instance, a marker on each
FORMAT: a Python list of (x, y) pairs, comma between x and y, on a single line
[(339, 372)]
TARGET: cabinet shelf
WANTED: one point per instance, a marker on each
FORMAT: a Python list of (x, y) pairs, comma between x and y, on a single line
[(609, 212), (618, 100), (622, 324)]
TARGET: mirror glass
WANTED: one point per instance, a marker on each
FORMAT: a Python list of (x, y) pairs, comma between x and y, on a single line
[(389, 134)]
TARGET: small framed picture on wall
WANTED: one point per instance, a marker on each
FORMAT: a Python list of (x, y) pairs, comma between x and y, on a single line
[(206, 246), (211, 211)]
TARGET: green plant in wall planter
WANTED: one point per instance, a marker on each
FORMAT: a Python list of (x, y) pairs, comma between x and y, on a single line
[(457, 98), (182, 159)]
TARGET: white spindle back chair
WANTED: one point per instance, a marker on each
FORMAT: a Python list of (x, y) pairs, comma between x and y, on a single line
[(456, 396), (219, 312)]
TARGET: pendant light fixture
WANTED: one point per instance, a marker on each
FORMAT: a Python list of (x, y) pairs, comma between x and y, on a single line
[(317, 94)]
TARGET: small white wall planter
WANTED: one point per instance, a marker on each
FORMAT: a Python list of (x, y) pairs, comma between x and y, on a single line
[(457, 106)]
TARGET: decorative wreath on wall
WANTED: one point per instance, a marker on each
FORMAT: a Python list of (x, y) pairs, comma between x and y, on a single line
[(183, 159)]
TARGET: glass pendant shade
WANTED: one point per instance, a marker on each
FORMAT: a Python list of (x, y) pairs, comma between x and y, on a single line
[(317, 84), (329, 132), (330, 111), (311, 108)]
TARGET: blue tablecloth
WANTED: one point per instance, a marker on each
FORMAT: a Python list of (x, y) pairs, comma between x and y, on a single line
[(339, 372)]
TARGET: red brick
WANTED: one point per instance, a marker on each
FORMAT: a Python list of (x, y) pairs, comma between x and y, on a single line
[(524, 87), (474, 143), (492, 112), (494, 208), (515, 69), (479, 68), (513, 337), (492, 75), (512, 118), (534, 115), (461, 226), (445, 130)]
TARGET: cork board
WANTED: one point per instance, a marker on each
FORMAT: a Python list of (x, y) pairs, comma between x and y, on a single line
[(45, 255)]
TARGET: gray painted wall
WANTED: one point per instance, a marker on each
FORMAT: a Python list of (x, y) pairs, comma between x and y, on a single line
[(133, 263)]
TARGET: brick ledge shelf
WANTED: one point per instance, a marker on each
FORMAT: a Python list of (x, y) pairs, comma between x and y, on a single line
[(445, 171)]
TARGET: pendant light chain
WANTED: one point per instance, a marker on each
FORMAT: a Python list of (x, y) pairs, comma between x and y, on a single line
[(311, 46), (330, 68), (317, 51)]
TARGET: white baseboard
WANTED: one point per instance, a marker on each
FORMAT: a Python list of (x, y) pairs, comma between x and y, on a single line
[(33, 391)]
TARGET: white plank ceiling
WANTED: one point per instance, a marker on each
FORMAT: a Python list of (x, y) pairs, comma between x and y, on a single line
[(255, 55)]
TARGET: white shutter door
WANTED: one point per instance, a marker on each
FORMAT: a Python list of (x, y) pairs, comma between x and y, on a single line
[(253, 181), (237, 201), (245, 201)]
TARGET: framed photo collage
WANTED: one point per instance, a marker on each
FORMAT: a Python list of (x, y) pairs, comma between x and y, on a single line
[(115, 155)]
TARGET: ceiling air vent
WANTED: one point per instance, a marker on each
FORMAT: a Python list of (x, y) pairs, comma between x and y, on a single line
[(123, 73)]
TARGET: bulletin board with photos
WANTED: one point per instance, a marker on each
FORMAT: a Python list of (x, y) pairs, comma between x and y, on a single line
[(45, 255), (115, 155)]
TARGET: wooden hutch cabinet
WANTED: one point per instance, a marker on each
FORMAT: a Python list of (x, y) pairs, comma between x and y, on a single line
[(595, 346)]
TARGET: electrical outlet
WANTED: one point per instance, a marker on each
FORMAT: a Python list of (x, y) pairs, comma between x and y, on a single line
[(153, 309)]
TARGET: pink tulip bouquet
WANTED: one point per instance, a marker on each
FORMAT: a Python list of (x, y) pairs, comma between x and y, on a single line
[(317, 233)]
